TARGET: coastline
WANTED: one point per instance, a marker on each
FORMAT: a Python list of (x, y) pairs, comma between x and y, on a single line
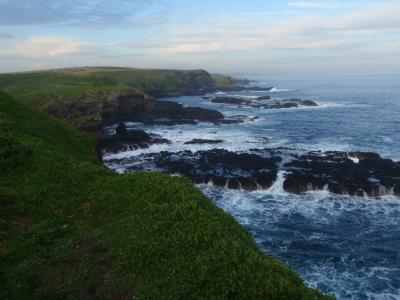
[(65, 211), (210, 126)]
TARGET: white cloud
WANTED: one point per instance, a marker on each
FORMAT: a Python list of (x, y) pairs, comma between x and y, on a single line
[(50, 47), (348, 31), (360, 36), (47, 47), (195, 48)]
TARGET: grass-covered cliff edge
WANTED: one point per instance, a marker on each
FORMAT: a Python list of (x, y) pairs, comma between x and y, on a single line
[(71, 229), (91, 96)]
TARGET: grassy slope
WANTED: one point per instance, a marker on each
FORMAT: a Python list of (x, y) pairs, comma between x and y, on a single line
[(71, 229), (223, 81), (42, 87)]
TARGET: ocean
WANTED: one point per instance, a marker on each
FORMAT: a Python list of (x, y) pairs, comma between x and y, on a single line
[(346, 246)]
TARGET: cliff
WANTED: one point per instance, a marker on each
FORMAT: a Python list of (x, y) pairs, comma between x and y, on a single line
[(42, 88), (90, 97), (71, 229)]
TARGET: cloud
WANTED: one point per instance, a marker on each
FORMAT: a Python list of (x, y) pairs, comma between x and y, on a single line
[(90, 13), (245, 40), (349, 31), (195, 48), (47, 47), (317, 4)]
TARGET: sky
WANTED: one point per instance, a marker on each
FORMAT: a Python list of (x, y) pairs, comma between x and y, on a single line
[(232, 36)]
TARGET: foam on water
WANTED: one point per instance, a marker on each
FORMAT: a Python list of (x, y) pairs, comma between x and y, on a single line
[(276, 90), (343, 245), (277, 187), (309, 232)]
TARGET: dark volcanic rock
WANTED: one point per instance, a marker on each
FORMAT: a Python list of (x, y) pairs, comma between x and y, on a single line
[(336, 172), (355, 173), (98, 108), (308, 103), (364, 155), (265, 102), (128, 140), (203, 141), (175, 111), (264, 98), (223, 168), (121, 130), (231, 100)]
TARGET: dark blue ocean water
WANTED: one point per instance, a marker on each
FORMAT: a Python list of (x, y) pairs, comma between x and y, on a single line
[(343, 245)]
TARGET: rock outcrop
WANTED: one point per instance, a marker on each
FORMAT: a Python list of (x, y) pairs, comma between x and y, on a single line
[(265, 102), (125, 139), (218, 166), (104, 108), (355, 174), (203, 141)]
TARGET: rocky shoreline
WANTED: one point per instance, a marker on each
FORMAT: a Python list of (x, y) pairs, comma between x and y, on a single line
[(356, 174), (359, 174), (265, 102)]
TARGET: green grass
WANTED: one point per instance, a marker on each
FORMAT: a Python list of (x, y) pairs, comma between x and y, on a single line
[(222, 81), (71, 229), (43, 87)]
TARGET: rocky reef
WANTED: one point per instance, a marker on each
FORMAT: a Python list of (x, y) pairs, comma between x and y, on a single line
[(221, 167), (356, 173), (203, 141), (125, 140), (265, 102)]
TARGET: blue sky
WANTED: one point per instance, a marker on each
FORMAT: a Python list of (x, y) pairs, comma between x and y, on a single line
[(255, 36)]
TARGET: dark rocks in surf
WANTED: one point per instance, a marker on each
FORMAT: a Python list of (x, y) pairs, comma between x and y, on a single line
[(203, 141), (265, 102), (221, 167), (355, 174), (305, 102), (231, 100), (172, 113), (264, 98), (121, 130), (174, 110), (125, 139)]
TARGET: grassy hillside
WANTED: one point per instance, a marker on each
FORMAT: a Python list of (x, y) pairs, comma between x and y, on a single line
[(43, 87), (71, 229)]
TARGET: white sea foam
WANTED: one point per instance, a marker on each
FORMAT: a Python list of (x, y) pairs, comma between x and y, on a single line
[(274, 209), (244, 96), (327, 145), (232, 137), (356, 160), (276, 90), (388, 139), (259, 91), (277, 187)]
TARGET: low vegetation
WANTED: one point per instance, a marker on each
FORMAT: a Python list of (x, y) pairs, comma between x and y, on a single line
[(71, 229), (41, 88)]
